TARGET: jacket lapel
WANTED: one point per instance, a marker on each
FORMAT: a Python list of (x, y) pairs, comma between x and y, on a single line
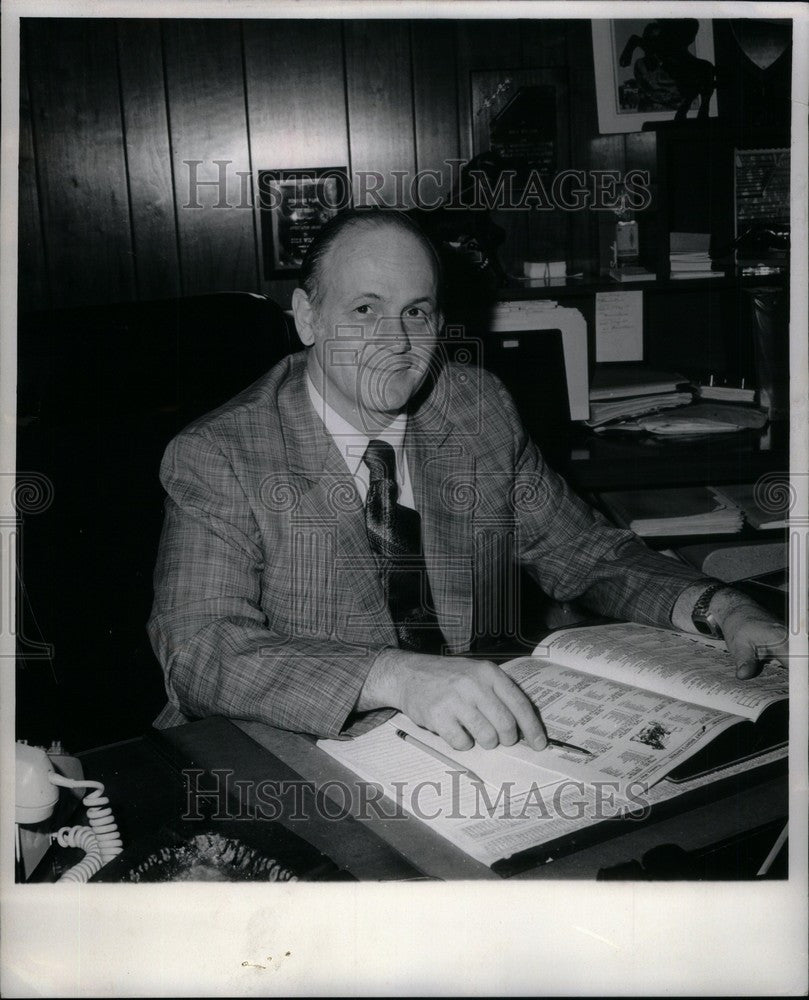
[(442, 471), (329, 512)]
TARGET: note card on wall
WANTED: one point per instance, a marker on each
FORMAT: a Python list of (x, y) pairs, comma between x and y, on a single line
[(619, 326)]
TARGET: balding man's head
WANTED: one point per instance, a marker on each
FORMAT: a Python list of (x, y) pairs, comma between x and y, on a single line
[(351, 224), (368, 307)]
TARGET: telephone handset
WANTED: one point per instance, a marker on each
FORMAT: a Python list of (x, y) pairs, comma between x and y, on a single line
[(37, 795)]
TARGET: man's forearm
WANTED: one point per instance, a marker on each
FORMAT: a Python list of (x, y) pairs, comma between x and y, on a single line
[(241, 670)]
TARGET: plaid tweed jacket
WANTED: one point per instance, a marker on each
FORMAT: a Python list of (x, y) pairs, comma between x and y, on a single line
[(268, 605)]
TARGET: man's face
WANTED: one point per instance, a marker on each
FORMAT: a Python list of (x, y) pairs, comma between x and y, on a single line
[(375, 324)]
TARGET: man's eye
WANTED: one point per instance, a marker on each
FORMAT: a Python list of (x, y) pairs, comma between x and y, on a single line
[(414, 312), (363, 310)]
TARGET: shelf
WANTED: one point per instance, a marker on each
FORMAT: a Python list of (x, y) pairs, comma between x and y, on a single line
[(746, 536), (571, 287), (613, 463)]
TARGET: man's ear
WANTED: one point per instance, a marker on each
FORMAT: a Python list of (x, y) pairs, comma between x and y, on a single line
[(303, 312)]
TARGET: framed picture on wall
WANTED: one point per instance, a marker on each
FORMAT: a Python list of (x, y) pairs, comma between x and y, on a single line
[(652, 71), (294, 205), (520, 117)]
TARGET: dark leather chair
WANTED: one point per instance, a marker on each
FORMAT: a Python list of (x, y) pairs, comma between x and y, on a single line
[(101, 391)]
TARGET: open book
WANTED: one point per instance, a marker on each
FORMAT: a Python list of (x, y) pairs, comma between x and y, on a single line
[(644, 703)]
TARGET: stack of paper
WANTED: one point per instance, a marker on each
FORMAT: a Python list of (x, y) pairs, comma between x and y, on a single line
[(621, 392), (689, 256), (693, 510), (764, 508), (703, 418), (726, 393), (734, 561), (623, 409), (622, 381), (631, 272)]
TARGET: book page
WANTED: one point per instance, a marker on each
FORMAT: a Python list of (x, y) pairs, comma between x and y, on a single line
[(672, 663), (486, 826), (632, 735)]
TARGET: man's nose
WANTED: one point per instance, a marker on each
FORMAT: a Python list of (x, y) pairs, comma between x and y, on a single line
[(401, 340), (396, 335)]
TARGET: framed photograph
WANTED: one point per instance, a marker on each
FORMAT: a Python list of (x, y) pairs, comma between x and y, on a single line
[(652, 71), (520, 116), (762, 206), (294, 205)]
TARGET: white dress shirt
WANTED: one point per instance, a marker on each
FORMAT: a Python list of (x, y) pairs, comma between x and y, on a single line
[(352, 443)]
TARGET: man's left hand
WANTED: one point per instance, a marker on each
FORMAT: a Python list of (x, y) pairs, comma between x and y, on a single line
[(752, 635)]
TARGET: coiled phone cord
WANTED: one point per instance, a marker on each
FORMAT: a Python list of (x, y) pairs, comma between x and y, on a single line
[(100, 841)]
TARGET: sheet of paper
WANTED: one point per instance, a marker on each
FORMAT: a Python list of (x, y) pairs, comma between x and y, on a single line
[(671, 663), (619, 326)]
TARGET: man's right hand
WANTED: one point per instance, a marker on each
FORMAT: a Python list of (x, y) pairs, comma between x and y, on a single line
[(462, 700)]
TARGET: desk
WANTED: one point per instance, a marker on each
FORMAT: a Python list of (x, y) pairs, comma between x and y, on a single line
[(146, 789)]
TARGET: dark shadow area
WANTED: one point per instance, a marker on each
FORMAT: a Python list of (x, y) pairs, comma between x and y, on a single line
[(101, 392)]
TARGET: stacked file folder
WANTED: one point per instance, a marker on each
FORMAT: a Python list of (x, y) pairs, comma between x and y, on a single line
[(623, 392), (692, 510)]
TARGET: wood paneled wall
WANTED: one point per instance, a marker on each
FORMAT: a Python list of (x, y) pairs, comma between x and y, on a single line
[(114, 112)]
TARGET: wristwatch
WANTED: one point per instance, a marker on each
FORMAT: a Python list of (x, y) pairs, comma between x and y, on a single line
[(703, 620)]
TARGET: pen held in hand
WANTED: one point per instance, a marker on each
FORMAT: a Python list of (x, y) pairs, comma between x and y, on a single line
[(570, 746)]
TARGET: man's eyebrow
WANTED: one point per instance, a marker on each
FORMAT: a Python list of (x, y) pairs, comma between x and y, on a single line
[(379, 298)]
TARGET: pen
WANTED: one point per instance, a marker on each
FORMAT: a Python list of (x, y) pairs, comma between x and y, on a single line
[(569, 746), (438, 755)]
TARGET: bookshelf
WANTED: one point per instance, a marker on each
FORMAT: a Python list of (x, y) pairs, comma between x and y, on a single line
[(692, 179)]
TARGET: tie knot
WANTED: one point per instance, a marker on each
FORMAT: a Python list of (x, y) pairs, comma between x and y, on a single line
[(381, 461)]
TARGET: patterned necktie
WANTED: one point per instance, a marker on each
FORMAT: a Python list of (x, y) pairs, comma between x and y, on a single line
[(394, 534)]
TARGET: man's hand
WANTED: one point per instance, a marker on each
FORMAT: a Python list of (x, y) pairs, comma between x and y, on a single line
[(751, 633), (462, 700)]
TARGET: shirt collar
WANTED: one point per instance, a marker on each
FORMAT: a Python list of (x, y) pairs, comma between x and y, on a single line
[(350, 442)]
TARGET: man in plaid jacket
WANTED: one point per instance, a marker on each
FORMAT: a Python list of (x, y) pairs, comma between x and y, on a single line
[(268, 599)]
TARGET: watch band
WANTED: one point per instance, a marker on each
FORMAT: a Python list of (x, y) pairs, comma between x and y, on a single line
[(703, 621)]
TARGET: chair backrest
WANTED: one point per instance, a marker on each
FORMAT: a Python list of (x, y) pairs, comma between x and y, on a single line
[(180, 356), (101, 391)]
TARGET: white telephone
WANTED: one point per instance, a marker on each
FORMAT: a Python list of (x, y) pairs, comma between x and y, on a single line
[(37, 795)]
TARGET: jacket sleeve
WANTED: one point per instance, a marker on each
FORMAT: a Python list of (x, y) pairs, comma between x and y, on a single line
[(573, 552), (207, 627)]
